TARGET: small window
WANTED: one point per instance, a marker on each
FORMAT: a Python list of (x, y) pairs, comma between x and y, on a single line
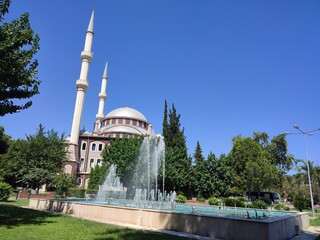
[(81, 164), (127, 121), (113, 121), (79, 182), (120, 120), (134, 122), (140, 124), (108, 122), (84, 145), (99, 163), (100, 147), (91, 163), (93, 148)]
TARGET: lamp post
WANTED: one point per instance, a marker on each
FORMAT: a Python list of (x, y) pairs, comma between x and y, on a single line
[(308, 133)]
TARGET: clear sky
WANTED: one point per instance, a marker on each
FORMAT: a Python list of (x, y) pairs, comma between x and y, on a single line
[(230, 67)]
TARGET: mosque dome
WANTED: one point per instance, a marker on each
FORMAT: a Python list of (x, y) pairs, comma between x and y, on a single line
[(126, 112), (123, 122)]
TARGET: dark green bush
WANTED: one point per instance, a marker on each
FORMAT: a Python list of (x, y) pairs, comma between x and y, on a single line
[(233, 202), (259, 204), (181, 198), (281, 207), (200, 199), (300, 203), (76, 192), (214, 201), (5, 191)]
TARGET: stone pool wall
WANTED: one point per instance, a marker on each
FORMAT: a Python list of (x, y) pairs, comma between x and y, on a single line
[(284, 227)]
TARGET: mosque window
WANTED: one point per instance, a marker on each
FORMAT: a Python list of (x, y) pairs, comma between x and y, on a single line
[(100, 147), (99, 163), (93, 147), (120, 120), (127, 121), (114, 121), (140, 123), (108, 121), (91, 163), (134, 122), (81, 164), (79, 182), (84, 145)]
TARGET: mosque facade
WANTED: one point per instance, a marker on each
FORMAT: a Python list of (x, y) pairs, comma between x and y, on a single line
[(85, 148)]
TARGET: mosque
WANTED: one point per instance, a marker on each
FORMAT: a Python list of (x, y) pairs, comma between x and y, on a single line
[(85, 148)]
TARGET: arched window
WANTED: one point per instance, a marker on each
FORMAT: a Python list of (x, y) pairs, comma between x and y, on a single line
[(91, 163), (79, 182), (84, 145), (93, 147), (100, 147)]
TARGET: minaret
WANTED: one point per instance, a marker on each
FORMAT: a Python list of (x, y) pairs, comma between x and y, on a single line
[(82, 84), (102, 98)]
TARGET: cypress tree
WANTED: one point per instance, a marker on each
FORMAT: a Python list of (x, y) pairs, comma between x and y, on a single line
[(178, 164)]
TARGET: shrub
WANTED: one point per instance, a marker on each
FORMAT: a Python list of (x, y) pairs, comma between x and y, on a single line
[(5, 191), (213, 201), (181, 198), (200, 199), (76, 192), (259, 204), (233, 202), (300, 203), (281, 206)]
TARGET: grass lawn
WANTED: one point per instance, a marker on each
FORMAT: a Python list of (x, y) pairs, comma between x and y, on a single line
[(21, 223)]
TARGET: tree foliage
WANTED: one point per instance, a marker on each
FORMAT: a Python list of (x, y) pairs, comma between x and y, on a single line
[(33, 162), (122, 152), (18, 69), (178, 163), (252, 164)]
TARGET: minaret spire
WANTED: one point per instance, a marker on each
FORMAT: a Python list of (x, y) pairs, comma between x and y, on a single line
[(82, 84), (102, 98), (103, 94)]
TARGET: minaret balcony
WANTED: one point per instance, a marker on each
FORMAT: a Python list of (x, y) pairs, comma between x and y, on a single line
[(102, 95), (86, 55), (82, 84)]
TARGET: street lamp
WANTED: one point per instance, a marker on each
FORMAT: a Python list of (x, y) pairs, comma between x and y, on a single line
[(308, 133)]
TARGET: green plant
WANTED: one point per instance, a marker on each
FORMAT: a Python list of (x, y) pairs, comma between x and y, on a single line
[(200, 199), (300, 203), (260, 204), (233, 202), (214, 201), (181, 198), (5, 191), (76, 192), (281, 206)]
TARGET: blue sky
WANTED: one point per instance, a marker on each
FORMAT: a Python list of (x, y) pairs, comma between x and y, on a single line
[(230, 67)]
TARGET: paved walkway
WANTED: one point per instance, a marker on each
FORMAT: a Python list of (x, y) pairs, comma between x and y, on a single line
[(310, 234)]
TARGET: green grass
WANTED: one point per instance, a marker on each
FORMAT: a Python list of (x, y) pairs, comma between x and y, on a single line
[(18, 223)]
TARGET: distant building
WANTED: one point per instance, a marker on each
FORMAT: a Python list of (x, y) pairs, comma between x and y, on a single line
[(84, 148)]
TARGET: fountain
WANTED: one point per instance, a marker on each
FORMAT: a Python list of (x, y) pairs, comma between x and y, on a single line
[(144, 181), (156, 209)]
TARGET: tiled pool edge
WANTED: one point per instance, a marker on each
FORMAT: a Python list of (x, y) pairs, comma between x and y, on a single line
[(284, 227)]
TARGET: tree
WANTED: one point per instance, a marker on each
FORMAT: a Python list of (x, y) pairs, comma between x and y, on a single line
[(4, 141), (63, 182), (122, 152), (33, 162), (198, 157), (178, 164), (251, 165), (18, 69)]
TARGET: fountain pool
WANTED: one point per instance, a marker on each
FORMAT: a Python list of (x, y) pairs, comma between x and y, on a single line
[(226, 225)]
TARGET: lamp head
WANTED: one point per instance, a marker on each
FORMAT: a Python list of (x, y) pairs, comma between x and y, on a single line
[(296, 126)]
